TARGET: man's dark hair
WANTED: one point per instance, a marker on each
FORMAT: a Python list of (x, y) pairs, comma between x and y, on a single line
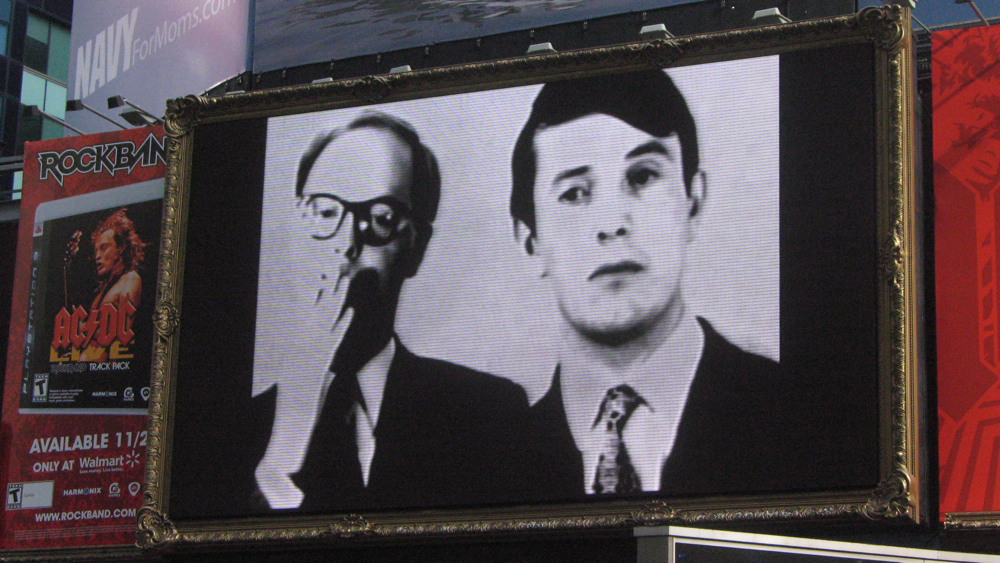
[(425, 188), (132, 249), (646, 100)]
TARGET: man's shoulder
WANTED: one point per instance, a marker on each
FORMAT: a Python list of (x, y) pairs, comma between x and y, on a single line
[(455, 428), (722, 358), (549, 410), (753, 417), (441, 372), (128, 279), (442, 381), (129, 285), (746, 387)]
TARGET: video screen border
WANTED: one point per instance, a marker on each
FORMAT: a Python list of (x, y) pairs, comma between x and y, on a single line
[(889, 484)]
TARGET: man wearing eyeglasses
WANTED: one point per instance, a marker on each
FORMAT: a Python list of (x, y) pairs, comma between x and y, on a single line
[(395, 430)]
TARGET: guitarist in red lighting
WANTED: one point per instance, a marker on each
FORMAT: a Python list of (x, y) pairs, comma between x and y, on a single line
[(118, 253)]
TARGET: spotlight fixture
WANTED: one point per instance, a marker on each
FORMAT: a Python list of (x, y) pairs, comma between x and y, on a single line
[(541, 49), (77, 105), (136, 116), (770, 16), (34, 111), (655, 31)]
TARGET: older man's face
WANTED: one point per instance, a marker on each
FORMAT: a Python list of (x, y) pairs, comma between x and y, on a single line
[(354, 208), (613, 222)]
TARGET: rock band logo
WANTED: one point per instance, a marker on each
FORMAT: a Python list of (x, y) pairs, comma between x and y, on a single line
[(86, 335), (107, 157)]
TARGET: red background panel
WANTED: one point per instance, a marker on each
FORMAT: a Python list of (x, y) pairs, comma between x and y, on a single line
[(94, 519), (966, 106)]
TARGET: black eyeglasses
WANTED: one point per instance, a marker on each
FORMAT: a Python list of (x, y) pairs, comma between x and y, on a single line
[(377, 222)]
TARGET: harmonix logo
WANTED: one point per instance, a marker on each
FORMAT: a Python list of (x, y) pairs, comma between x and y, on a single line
[(109, 157), (85, 491)]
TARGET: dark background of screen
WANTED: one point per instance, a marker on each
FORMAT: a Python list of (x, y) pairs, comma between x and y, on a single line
[(828, 290), (828, 255), (215, 368)]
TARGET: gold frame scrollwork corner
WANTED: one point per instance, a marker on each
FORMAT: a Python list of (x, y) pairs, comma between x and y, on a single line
[(182, 114), (884, 26), (155, 530), (891, 499)]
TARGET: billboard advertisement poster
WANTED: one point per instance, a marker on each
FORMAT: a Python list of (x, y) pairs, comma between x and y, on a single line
[(966, 185), (77, 375), (150, 51)]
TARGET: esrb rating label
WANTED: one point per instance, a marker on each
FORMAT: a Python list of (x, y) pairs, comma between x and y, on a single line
[(40, 391), (29, 495)]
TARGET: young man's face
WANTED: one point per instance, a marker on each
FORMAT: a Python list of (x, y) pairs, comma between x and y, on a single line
[(613, 222), (107, 255)]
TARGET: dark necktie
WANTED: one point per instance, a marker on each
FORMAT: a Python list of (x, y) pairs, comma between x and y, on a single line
[(615, 473), (331, 476)]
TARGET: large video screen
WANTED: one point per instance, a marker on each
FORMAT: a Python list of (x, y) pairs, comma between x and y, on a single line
[(615, 292), (712, 255)]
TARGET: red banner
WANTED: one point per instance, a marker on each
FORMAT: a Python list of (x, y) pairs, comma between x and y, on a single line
[(966, 102), (77, 377)]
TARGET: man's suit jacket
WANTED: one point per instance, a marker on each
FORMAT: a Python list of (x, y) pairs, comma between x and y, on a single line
[(742, 430), (446, 435)]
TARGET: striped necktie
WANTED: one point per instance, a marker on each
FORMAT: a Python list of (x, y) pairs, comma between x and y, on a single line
[(615, 473)]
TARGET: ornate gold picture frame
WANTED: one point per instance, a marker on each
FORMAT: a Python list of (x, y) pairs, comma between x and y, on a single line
[(834, 307)]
